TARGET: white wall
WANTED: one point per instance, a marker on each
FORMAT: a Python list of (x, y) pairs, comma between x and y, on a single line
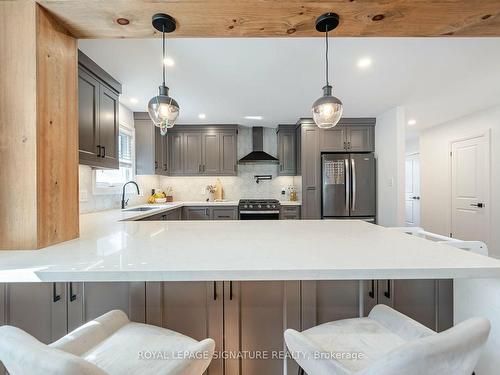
[(390, 154), (412, 146), (435, 171)]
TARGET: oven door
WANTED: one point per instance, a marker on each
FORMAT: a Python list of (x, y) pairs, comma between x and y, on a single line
[(259, 215)]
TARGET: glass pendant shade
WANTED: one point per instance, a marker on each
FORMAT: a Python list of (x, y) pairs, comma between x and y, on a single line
[(327, 110), (163, 109)]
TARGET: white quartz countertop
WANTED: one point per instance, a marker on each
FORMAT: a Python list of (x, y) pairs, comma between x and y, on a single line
[(113, 250)]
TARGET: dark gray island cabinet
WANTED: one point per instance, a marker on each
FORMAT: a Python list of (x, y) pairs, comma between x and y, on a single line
[(98, 108)]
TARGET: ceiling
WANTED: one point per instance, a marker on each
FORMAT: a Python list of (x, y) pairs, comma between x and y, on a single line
[(436, 79), (272, 18)]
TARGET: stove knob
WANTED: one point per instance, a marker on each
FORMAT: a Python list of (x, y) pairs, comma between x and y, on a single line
[(245, 206), (268, 206), (259, 206), (274, 206), (251, 206)]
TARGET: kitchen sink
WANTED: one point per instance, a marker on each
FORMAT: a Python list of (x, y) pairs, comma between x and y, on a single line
[(141, 209)]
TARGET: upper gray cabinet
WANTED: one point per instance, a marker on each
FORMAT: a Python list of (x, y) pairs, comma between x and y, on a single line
[(351, 135), (287, 150), (203, 150), (151, 148), (98, 109)]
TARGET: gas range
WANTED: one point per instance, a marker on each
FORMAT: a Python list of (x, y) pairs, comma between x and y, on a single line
[(259, 209)]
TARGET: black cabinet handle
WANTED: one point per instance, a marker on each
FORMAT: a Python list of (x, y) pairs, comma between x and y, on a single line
[(55, 297), (387, 292), (165, 167), (345, 145), (223, 217), (156, 165), (349, 145), (206, 212), (215, 291), (479, 205), (98, 150), (72, 296), (104, 151), (371, 293), (230, 290)]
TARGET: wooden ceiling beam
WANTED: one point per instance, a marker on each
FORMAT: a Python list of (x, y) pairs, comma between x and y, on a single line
[(279, 18)]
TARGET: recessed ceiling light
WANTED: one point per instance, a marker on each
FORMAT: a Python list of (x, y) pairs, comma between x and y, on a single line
[(122, 21), (134, 100), (364, 62), (168, 61), (202, 116), (253, 117), (412, 122)]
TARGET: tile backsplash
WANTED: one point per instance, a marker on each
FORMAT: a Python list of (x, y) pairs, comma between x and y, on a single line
[(193, 188)]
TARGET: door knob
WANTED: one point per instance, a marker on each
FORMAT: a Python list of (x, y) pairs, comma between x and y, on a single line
[(479, 205)]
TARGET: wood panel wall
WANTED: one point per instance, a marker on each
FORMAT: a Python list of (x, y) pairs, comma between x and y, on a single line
[(39, 127)]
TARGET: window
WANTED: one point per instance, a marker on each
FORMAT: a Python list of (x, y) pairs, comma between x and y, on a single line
[(108, 181)]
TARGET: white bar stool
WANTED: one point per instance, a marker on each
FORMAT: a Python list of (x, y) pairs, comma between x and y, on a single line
[(108, 345), (387, 343)]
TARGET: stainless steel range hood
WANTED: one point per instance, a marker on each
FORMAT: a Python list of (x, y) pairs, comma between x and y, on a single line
[(258, 155)]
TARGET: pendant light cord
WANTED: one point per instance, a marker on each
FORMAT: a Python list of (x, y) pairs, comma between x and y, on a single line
[(163, 60), (326, 56)]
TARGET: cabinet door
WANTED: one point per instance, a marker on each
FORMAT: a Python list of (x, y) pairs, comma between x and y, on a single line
[(158, 151), (87, 301), (173, 214), (192, 153), (227, 155), (286, 153), (326, 301), (196, 213), (210, 153), (108, 127), (37, 308), (256, 313), (88, 118), (224, 213), (175, 155), (360, 138), (334, 139), (164, 155), (290, 213), (194, 309), (311, 201), (145, 133)]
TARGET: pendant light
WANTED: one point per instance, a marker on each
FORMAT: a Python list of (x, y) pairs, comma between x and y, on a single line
[(163, 109), (327, 110)]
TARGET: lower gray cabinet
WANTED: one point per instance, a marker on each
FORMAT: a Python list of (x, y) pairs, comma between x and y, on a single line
[(210, 213), (290, 213), (194, 309), (48, 311), (224, 213), (170, 215), (328, 300), (429, 302), (196, 213)]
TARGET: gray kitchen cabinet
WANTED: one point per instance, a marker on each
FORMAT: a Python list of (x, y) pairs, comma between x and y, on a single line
[(228, 153), (175, 154), (287, 151), (256, 313), (48, 311), (151, 156), (192, 153), (351, 135), (298, 145), (194, 309), (290, 213), (224, 213), (196, 213), (429, 302), (210, 151), (37, 308), (170, 215), (328, 300), (333, 139), (311, 170), (98, 110)]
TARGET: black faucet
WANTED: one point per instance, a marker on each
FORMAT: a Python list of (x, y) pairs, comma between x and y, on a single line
[(124, 202)]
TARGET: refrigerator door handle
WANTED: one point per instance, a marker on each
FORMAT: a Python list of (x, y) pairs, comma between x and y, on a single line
[(353, 204), (347, 184)]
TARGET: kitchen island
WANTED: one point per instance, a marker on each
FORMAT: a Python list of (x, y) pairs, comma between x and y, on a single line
[(113, 246)]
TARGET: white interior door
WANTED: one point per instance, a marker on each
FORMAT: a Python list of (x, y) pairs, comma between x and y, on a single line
[(470, 185), (412, 190)]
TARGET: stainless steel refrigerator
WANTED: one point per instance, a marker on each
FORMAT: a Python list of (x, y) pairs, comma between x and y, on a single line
[(349, 186)]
